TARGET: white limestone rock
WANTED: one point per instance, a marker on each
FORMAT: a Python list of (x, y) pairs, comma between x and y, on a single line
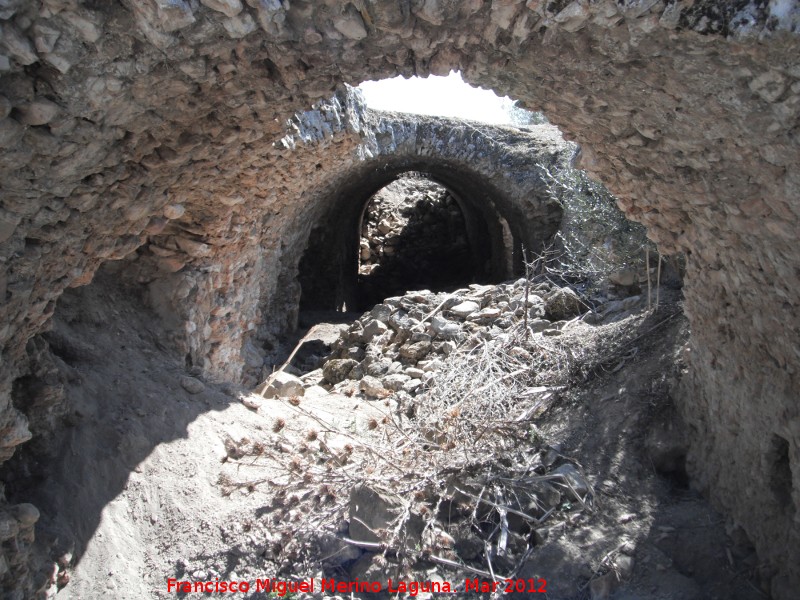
[(284, 385), (464, 309)]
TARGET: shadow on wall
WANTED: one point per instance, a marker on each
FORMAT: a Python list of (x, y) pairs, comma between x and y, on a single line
[(113, 391), (413, 237)]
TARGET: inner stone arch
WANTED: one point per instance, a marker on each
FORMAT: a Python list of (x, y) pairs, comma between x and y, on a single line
[(495, 226), (415, 235)]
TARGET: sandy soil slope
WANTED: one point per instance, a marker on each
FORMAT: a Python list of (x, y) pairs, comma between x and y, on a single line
[(158, 475)]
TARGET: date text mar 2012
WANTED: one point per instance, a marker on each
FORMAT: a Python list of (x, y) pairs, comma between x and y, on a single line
[(412, 588)]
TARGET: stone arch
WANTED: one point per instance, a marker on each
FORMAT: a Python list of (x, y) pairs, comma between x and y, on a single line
[(400, 270), (496, 171), (112, 113), (329, 280), (485, 195)]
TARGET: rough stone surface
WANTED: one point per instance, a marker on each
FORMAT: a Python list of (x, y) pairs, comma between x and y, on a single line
[(371, 510), (38, 112), (283, 385), (192, 385), (563, 303), (371, 386), (571, 482), (689, 114), (373, 329), (395, 381), (444, 328), (464, 309), (336, 371)]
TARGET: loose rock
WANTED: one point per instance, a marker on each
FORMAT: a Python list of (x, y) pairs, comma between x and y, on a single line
[(465, 309), (335, 371), (562, 304), (192, 385), (283, 385)]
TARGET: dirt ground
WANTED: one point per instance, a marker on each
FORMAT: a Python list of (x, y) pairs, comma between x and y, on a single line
[(158, 475)]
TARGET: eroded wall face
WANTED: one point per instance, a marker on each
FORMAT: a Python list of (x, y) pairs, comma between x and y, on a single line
[(151, 125), (497, 173), (413, 236)]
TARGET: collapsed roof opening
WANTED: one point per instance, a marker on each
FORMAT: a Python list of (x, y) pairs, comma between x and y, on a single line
[(414, 235)]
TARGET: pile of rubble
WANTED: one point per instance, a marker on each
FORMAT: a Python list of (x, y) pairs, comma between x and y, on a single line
[(400, 344), (447, 474)]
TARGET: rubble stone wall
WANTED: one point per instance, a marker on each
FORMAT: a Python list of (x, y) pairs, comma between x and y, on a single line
[(414, 237), (495, 172), (150, 125)]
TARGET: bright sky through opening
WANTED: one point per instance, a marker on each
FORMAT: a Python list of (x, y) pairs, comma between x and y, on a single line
[(438, 96)]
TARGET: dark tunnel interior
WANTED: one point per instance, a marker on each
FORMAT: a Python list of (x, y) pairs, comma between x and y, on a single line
[(414, 236), (454, 236)]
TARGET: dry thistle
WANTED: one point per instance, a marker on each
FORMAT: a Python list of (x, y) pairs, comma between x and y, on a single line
[(379, 560), (294, 400), (278, 424), (327, 494), (311, 435), (372, 424)]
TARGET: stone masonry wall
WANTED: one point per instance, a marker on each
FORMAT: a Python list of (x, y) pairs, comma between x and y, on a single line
[(125, 123), (497, 174), (414, 237)]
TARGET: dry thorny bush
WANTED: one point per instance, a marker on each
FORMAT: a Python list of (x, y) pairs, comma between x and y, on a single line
[(465, 458)]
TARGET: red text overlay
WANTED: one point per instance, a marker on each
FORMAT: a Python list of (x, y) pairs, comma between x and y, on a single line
[(412, 588)]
